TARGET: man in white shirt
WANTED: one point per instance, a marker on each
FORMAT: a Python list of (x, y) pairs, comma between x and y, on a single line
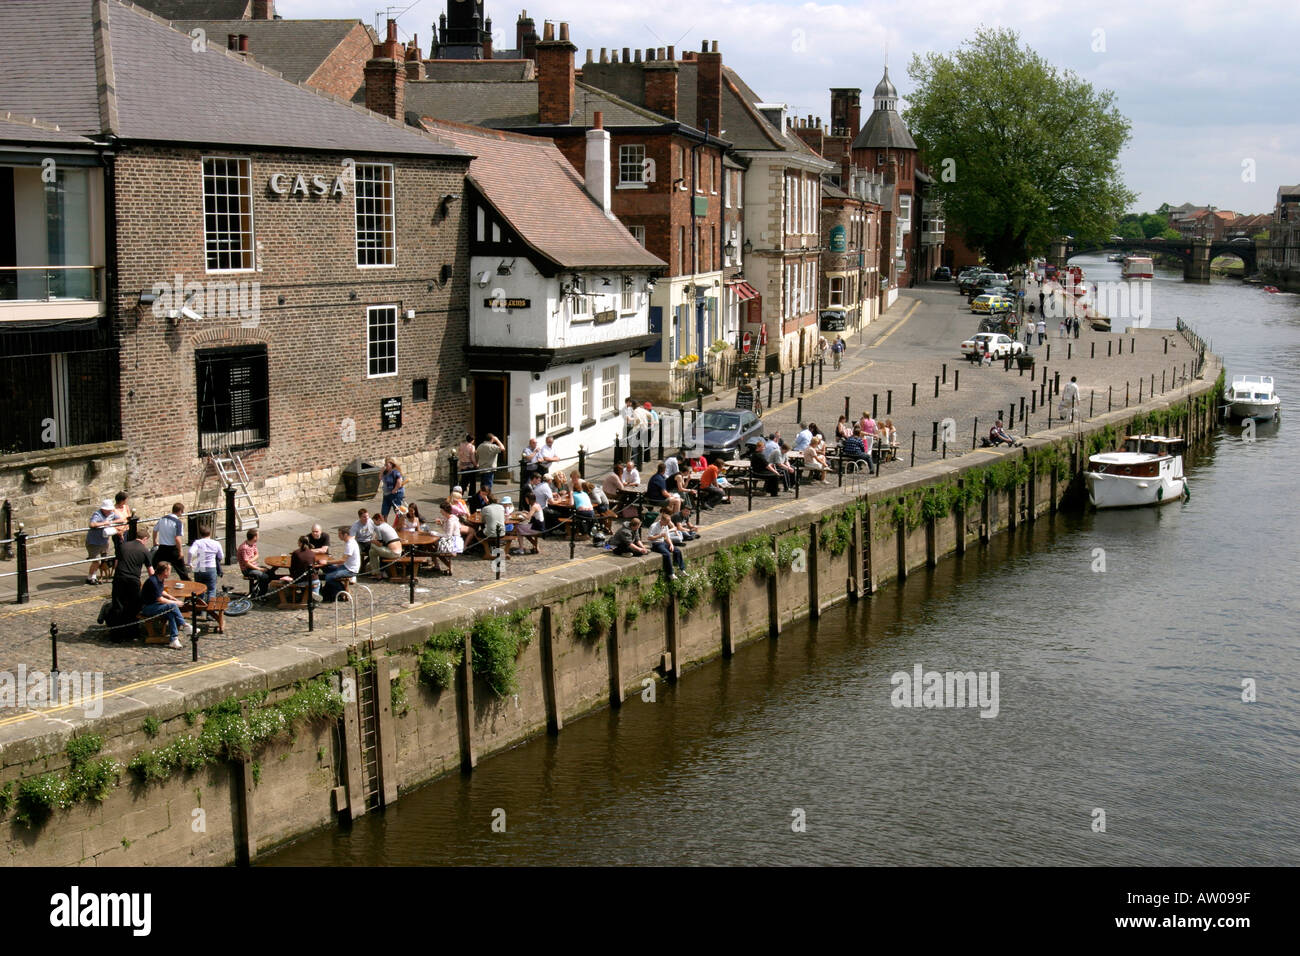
[(486, 456), (547, 454), (671, 467), (169, 538), (541, 491), (631, 477), (661, 542), (1070, 397), (350, 568)]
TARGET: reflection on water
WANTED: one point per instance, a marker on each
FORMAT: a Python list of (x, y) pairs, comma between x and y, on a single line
[(1120, 691)]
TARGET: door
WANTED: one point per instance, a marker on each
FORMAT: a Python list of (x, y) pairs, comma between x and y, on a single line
[(489, 403), (655, 353), (700, 347)]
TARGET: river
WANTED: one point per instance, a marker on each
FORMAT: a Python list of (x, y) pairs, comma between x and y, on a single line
[(1119, 691)]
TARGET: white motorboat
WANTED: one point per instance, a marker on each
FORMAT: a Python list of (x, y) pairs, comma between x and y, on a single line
[(1149, 471), (1137, 267), (1253, 396)]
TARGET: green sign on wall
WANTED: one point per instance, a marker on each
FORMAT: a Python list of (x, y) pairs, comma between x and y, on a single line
[(839, 239)]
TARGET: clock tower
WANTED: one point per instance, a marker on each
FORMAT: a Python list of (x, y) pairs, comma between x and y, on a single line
[(463, 32)]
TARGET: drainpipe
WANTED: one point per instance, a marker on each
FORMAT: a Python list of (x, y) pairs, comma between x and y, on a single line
[(695, 252)]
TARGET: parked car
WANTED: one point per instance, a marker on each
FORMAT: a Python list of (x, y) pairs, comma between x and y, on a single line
[(833, 320), (999, 345), (991, 284), (942, 274), (991, 304), (726, 431), (973, 281)]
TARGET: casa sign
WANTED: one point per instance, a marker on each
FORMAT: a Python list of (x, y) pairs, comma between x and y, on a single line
[(301, 185)]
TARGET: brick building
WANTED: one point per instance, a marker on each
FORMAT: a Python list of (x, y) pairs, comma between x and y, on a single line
[(1279, 263), (283, 274)]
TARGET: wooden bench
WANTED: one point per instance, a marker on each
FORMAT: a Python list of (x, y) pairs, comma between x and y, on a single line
[(155, 629), (394, 567), (289, 593), (216, 608)]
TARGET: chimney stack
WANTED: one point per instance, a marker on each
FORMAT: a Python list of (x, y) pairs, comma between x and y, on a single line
[(659, 87), (263, 10), (487, 39), (596, 174), (555, 93), (708, 89), (386, 77), (415, 69)]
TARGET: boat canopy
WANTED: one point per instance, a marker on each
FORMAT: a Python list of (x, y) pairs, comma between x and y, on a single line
[(1258, 387), (1152, 444)]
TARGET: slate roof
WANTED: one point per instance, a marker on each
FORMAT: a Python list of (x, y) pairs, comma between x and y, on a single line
[(498, 70), (24, 129), (884, 129), (158, 89), (539, 193), (198, 9), (513, 104), (293, 48)]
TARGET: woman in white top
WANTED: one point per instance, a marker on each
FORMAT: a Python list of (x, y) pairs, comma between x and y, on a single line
[(451, 541), (206, 558), (815, 455)]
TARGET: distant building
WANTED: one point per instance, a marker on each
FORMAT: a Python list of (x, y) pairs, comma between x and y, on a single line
[(1280, 262)]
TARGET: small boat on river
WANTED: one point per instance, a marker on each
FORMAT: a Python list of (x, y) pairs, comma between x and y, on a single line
[(1137, 267), (1253, 396), (1149, 471)]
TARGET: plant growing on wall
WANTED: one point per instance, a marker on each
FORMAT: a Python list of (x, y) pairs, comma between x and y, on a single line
[(85, 779), (440, 656), (690, 586), (496, 641), (595, 617)]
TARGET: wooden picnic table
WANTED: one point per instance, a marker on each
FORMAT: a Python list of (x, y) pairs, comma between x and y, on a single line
[(281, 562), (417, 539)]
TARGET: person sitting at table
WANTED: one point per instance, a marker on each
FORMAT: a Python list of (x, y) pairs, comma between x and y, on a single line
[(815, 457), (457, 502), (494, 523), (761, 468), (843, 429), (869, 427), (627, 539), (206, 558), (660, 538), (319, 539), (583, 511), (772, 451), (613, 484), (156, 602), (855, 449), (451, 541), (631, 477), (336, 574), (387, 541), (250, 565), (531, 524), (791, 470), (804, 437), (888, 439), (679, 485), (400, 522), (681, 518), (363, 530), (657, 488), (479, 500), (711, 493), (302, 565), (605, 512)]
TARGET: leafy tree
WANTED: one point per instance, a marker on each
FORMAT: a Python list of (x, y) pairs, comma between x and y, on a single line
[(1130, 228), (1172, 234), (1154, 224), (1035, 150)]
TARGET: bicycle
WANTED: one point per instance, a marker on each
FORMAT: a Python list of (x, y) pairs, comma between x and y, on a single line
[(239, 604)]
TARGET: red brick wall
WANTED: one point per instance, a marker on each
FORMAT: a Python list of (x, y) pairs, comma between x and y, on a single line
[(386, 87), (316, 339), (343, 72), (555, 82), (660, 89)]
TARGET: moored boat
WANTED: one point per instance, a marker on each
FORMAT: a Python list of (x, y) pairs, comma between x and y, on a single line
[(1149, 471), (1253, 396), (1138, 267)]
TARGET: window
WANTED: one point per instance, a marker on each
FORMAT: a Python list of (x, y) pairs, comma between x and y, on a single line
[(699, 183), (638, 233), (234, 410), (420, 390), (715, 175), (681, 251), (381, 340), (588, 411), (580, 303), (609, 390), (228, 213), (631, 164), (740, 189), (836, 290), (557, 404), (376, 233), (629, 294)]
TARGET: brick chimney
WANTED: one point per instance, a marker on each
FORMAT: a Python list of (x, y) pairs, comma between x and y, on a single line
[(415, 69), (555, 96), (487, 39), (596, 173), (814, 136), (659, 85), (263, 10), (708, 88), (386, 77), (846, 112), (524, 28)]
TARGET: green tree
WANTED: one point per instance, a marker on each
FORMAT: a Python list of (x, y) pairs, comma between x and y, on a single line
[(1154, 224), (1034, 151), (1130, 228)]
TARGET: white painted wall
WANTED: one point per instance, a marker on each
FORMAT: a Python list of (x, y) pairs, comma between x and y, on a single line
[(529, 399)]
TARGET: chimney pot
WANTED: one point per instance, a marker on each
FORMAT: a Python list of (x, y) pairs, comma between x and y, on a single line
[(243, 43), (704, 46), (232, 41), (627, 55), (604, 55), (392, 30), (672, 53), (661, 54), (548, 32), (598, 120), (715, 47), (613, 57), (638, 55), (564, 33), (589, 58)]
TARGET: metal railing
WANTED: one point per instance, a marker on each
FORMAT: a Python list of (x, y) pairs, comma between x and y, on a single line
[(81, 283)]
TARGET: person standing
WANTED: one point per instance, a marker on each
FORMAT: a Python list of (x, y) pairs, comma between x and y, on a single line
[(169, 537), (489, 449), (1042, 331), (394, 484), (1070, 397), (132, 558), (156, 602), (206, 558), (467, 464), (97, 537)]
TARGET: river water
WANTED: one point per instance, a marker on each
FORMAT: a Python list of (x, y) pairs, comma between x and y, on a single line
[(1119, 691)]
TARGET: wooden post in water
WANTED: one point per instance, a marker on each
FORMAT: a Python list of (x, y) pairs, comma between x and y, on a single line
[(814, 578), (616, 662), (773, 597), (465, 705), (550, 690)]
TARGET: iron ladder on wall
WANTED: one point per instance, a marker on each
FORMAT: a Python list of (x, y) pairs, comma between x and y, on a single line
[(368, 712), (230, 468)]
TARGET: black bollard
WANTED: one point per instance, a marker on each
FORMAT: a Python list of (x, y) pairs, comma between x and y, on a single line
[(936, 386), (1048, 356), (889, 399), (1091, 396), (194, 643), (453, 471), (839, 471), (572, 540), (945, 373), (803, 370), (1069, 351), (798, 410), (913, 464), (974, 434), (1056, 383), (913, 394), (1022, 407), (582, 462), (1132, 344), (230, 523), (749, 494), (410, 578), (1033, 401), (875, 403), (1110, 391), (1141, 382), (1162, 381), (956, 379), (1109, 345), (1011, 416), (311, 603), (934, 436), (54, 648), (1092, 350), (769, 389), (1126, 394), (846, 407), (821, 372), (1166, 345), (781, 397), (20, 539)]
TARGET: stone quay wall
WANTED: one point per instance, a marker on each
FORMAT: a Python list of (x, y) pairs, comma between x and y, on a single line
[(821, 551)]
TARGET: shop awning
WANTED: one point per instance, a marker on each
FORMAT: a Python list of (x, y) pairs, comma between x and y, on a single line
[(744, 291)]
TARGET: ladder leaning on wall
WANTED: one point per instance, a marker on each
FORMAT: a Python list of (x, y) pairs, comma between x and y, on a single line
[(230, 469)]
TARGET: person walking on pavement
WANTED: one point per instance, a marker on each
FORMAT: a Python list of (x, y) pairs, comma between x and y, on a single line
[(1070, 397), (1042, 331)]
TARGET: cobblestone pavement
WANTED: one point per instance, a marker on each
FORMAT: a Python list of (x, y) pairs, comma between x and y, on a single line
[(912, 343)]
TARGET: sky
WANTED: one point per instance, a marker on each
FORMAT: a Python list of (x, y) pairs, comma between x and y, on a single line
[(1210, 89)]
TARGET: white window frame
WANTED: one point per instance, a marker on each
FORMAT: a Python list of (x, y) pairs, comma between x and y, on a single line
[(557, 404), (371, 341), (383, 211), (637, 166), (579, 307), (220, 239), (638, 233), (609, 390), (588, 405), (835, 291), (628, 298)]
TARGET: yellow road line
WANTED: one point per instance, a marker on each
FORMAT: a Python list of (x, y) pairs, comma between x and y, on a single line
[(26, 609), (881, 341)]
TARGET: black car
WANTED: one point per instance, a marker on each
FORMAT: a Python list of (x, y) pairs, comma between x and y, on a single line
[(942, 274), (726, 431)]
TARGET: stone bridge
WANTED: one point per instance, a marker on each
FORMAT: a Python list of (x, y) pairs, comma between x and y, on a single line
[(1196, 254)]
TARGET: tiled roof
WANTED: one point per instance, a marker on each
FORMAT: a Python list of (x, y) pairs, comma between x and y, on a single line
[(500, 104), (467, 71), (197, 9), (293, 48), (24, 129), (884, 129), (160, 89), (540, 194)]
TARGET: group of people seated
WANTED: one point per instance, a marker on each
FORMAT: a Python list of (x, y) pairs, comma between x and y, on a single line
[(867, 440)]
